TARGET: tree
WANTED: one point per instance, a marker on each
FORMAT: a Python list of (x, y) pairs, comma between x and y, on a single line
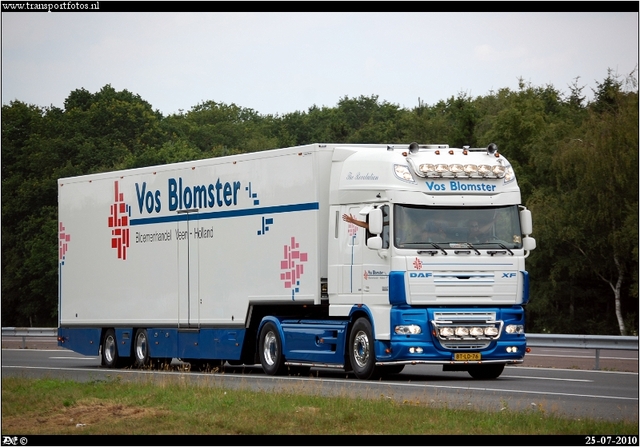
[(594, 215)]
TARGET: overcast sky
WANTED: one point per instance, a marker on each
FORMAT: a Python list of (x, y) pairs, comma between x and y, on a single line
[(277, 63)]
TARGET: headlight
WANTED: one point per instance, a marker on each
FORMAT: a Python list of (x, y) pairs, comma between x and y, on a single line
[(427, 168), (484, 170), (476, 331), (455, 168), (442, 168), (403, 173), (470, 169), (514, 329), (498, 171), (462, 331), (509, 175), (411, 329)]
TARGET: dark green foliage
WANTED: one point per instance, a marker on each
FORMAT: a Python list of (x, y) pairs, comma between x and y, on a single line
[(576, 162)]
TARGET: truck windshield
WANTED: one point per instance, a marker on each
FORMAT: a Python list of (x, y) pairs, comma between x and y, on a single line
[(448, 227)]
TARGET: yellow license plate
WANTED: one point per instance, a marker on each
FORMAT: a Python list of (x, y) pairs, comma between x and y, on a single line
[(467, 356)]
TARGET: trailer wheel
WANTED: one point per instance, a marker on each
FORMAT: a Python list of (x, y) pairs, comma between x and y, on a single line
[(110, 357), (270, 350), (361, 352), (141, 349), (486, 371)]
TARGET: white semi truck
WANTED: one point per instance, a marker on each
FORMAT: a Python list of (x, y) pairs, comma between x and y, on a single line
[(361, 257)]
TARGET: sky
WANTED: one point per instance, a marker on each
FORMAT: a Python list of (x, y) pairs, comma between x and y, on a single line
[(282, 62)]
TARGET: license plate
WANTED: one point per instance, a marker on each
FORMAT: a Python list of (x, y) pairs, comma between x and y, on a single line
[(467, 356)]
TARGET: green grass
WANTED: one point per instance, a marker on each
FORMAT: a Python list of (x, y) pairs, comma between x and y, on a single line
[(48, 406)]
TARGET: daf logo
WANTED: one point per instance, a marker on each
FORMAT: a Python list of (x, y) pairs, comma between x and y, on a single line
[(508, 275), (419, 275)]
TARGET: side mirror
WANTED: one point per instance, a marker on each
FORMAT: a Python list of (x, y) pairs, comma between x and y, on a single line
[(526, 224), (374, 243), (528, 243), (375, 221)]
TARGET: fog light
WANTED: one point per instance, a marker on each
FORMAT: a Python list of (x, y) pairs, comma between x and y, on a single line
[(512, 349), (417, 350), (446, 331), (491, 331)]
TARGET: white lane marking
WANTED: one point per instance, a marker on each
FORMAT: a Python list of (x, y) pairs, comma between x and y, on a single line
[(74, 358), (582, 357), (597, 371), (547, 378), (341, 381)]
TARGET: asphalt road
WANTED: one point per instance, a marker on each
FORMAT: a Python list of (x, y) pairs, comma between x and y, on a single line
[(569, 391), (610, 360)]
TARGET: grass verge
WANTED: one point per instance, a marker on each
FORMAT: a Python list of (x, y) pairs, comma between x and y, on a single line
[(59, 407)]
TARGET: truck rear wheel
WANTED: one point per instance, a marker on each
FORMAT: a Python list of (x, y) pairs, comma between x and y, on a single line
[(270, 350), (361, 352), (486, 371), (110, 357), (141, 349)]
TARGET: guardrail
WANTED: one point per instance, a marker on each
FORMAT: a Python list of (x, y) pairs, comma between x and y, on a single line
[(25, 332), (596, 342), (570, 341)]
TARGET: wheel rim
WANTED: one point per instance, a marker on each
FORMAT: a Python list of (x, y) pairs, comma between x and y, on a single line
[(109, 349), (361, 349), (141, 346), (270, 348)]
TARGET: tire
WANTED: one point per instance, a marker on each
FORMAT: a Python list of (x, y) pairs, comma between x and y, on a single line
[(110, 357), (270, 350), (486, 371), (141, 349), (361, 351)]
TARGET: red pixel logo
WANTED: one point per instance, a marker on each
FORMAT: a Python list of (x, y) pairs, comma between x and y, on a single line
[(119, 224), (293, 267), (63, 240), (417, 264)]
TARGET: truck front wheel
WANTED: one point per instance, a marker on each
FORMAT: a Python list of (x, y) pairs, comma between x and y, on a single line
[(270, 350), (361, 352)]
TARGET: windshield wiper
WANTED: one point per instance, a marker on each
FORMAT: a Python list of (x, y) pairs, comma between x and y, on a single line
[(431, 252), (501, 246), (473, 248)]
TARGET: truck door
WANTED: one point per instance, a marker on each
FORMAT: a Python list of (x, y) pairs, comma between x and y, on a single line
[(376, 267), (351, 246), (188, 270)]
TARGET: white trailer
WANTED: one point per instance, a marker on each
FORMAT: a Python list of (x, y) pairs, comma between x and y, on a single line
[(248, 259)]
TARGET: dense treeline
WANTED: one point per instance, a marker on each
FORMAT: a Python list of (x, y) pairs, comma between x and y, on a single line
[(576, 161)]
